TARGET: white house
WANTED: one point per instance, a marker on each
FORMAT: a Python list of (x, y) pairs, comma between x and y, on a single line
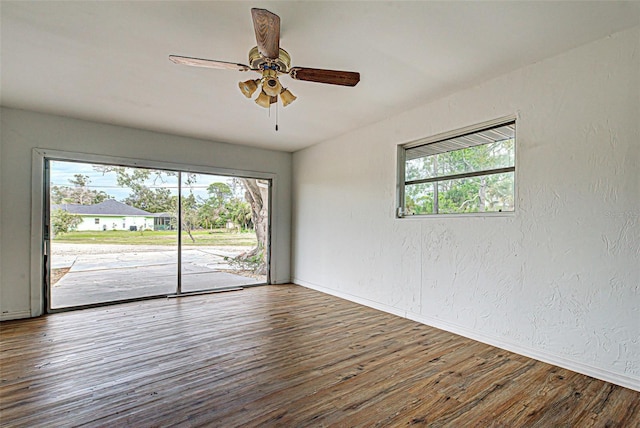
[(109, 215)]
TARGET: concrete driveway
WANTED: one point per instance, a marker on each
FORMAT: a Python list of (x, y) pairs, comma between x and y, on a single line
[(100, 273)]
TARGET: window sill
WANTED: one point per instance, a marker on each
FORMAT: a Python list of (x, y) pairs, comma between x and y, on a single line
[(460, 215)]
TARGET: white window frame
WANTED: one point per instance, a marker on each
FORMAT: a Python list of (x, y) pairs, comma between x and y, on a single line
[(401, 162)]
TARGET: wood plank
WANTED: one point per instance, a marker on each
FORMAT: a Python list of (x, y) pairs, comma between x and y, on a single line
[(279, 356)]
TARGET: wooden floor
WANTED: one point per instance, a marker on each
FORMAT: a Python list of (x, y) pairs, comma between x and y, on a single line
[(280, 356)]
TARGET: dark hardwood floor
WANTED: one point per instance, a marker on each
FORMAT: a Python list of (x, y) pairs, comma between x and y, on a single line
[(280, 356)]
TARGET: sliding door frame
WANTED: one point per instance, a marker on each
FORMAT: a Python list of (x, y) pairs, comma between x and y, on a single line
[(40, 242)]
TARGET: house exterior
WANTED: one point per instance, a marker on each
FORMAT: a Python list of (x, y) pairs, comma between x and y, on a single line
[(109, 215), (162, 221)]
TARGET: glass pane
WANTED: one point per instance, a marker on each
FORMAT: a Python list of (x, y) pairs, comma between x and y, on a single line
[(488, 193), (419, 168), (224, 240), (419, 199), (499, 154), (111, 233)]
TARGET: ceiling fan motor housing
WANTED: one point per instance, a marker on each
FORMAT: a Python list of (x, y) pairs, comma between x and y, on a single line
[(282, 64)]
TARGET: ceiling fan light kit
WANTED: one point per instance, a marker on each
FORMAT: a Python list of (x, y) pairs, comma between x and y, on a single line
[(270, 83), (265, 100), (248, 87), (287, 97)]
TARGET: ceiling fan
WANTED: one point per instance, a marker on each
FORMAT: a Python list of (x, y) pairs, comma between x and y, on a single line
[(271, 61)]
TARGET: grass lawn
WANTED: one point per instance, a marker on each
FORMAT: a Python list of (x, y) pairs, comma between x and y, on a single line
[(164, 237)]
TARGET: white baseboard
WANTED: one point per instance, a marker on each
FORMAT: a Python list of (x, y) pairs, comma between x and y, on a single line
[(7, 316), (556, 360), (356, 299)]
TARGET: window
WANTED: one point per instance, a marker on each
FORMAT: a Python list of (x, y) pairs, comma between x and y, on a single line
[(470, 171), (97, 221)]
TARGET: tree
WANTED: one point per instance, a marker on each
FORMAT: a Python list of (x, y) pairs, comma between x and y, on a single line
[(63, 221), (153, 201), (77, 193), (208, 216), (238, 212), (142, 195), (477, 194), (213, 211), (492, 192), (219, 193), (189, 214), (257, 195)]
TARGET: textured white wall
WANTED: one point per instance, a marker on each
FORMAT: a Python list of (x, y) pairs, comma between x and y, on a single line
[(21, 131), (560, 279)]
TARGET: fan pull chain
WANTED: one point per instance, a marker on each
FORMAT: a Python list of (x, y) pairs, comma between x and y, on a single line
[(269, 113)]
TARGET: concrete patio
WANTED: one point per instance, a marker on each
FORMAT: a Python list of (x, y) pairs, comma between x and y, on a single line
[(102, 273)]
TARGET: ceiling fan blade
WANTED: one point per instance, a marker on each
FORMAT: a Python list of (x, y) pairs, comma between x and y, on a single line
[(208, 63), (267, 28), (332, 77)]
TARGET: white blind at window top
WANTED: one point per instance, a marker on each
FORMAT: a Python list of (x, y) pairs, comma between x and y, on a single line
[(491, 135)]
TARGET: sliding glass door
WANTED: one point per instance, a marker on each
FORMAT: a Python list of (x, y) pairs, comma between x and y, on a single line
[(219, 243), (119, 233)]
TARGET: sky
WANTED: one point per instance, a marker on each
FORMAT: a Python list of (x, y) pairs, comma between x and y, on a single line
[(61, 172)]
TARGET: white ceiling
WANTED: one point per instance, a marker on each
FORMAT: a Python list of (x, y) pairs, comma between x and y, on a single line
[(108, 61)]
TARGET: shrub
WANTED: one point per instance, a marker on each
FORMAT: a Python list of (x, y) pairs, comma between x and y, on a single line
[(63, 222)]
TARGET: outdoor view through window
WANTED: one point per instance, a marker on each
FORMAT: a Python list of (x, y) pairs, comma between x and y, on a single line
[(114, 232), (469, 173)]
